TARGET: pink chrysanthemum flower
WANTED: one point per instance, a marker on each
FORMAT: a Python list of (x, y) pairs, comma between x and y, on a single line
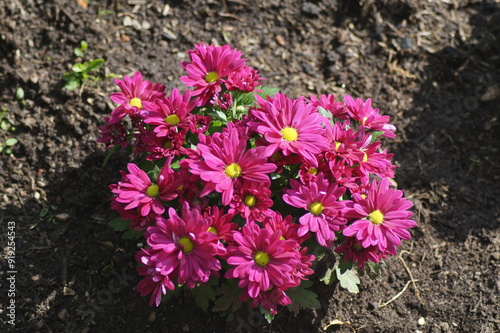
[(290, 126), (285, 225), (113, 134), (364, 114), (252, 201), (263, 260), (137, 191), (220, 223), (208, 67), (161, 147), (137, 221), (269, 299), (225, 160), (352, 250), (170, 113), (372, 160), (309, 173), (343, 144), (185, 248), (155, 282), (328, 103), (246, 79), (326, 212), (134, 91), (381, 219)]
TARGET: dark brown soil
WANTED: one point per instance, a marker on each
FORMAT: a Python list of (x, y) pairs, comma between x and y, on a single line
[(433, 66)]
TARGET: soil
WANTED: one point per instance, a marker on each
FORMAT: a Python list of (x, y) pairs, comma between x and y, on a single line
[(433, 66)]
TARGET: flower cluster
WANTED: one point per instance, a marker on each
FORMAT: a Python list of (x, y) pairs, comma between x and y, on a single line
[(238, 182)]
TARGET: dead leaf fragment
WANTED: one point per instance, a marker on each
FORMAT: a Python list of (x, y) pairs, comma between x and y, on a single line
[(280, 40), (82, 3)]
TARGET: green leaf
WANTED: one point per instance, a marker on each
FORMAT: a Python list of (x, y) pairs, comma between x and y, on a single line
[(72, 83), (79, 67), (329, 277), (202, 296), (5, 124), (84, 45), (302, 297), (119, 224), (268, 91), (10, 142), (348, 280), (95, 65), (78, 52), (269, 317), (132, 234), (325, 113), (19, 94), (217, 114), (375, 135), (230, 297)]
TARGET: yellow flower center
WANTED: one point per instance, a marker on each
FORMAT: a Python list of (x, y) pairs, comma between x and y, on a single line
[(376, 217), (337, 145), (173, 119), (313, 171), (211, 77), (212, 230), (357, 247), (250, 200), (153, 191), (168, 144), (261, 258), (233, 170), (316, 208), (365, 157), (136, 102), (289, 133), (187, 245)]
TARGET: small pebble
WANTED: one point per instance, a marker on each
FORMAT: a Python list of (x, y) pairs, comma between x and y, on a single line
[(406, 43), (185, 328), (62, 217), (63, 315), (152, 316), (421, 321)]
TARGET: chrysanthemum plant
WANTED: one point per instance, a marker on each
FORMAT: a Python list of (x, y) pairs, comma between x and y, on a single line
[(241, 192)]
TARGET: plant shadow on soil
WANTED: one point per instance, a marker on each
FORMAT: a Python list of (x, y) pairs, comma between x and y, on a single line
[(451, 149)]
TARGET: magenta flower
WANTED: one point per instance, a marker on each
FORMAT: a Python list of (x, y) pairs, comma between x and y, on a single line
[(155, 282), (381, 219), (328, 103), (134, 91), (137, 221), (113, 134), (290, 126), (352, 250), (326, 212), (269, 299), (220, 223), (263, 260), (252, 201), (225, 160), (137, 191), (364, 114), (246, 79), (372, 160), (169, 114), (208, 67), (184, 248)]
